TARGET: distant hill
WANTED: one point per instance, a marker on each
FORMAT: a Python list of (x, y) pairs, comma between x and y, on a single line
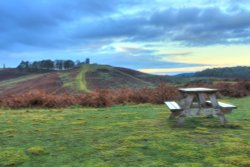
[(184, 75), (85, 78), (227, 72)]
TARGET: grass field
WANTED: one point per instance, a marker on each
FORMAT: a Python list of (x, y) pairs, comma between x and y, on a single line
[(130, 135)]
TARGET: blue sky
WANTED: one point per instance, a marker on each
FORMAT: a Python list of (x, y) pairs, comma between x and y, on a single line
[(157, 36)]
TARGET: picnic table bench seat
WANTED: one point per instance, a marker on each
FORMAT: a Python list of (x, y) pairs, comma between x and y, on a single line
[(173, 106), (223, 105)]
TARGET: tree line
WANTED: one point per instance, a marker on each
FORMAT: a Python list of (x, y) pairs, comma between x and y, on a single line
[(50, 65), (239, 72)]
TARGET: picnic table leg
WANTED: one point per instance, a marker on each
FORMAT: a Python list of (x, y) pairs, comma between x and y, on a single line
[(201, 101), (223, 120), (188, 102), (215, 105), (217, 109), (180, 121), (172, 116)]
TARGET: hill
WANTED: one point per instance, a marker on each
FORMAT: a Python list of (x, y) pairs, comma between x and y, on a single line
[(117, 77), (85, 78), (11, 73), (227, 72), (184, 75)]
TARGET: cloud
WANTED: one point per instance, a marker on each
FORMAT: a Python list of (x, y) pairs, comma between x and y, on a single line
[(138, 61), (55, 24), (196, 26), (46, 24), (90, 25), (108, 28), (178, 54), (174, 71), (204, 26)]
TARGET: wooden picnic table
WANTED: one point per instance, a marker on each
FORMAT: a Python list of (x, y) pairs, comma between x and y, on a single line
[(194, 101)]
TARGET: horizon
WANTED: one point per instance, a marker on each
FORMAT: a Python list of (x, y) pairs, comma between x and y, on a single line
[(156, 37), (169, 72)]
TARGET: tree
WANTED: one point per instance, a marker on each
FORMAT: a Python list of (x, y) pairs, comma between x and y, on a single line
[(87, 61), (47, 64), (68, 64), (77, 63), (23, 65), (59, 64), (36, 65)]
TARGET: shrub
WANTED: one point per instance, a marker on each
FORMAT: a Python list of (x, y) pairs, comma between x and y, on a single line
[(164, 92), (239, 89), (109, 97), (141, 96), (97, 98)]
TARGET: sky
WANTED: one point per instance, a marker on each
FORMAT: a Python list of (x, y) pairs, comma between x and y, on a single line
[(156, 36)]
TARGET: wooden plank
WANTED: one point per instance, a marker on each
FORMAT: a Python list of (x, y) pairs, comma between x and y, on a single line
[(224, 105), (173, 106), (202, 99), (188, 101), (198, 90), (214, 101)]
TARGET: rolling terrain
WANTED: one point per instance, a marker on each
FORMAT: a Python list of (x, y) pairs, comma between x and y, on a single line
[(11, 73), (90, 77), (85, 78), (239, 72)]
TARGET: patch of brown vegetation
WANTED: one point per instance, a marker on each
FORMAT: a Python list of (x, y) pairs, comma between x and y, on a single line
[(11, 73), (111, 78), (239, 89), (48, 82), (98, 98)]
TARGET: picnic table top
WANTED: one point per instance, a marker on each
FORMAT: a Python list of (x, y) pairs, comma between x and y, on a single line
[(198, 90)]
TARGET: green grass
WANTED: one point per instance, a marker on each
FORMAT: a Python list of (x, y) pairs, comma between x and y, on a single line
[(82, 83), (79, 82), (70, 81), (130, 135)]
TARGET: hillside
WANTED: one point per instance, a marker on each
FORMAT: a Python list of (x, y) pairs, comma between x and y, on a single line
[(227, 72), (116, 77), (85, 78), (11, 73)]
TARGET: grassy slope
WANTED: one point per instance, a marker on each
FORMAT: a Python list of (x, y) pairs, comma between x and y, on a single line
[(132, 135), (78, 82), (82, 84), (136, 79), (114, 77), (103, 76), (13, 82)]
